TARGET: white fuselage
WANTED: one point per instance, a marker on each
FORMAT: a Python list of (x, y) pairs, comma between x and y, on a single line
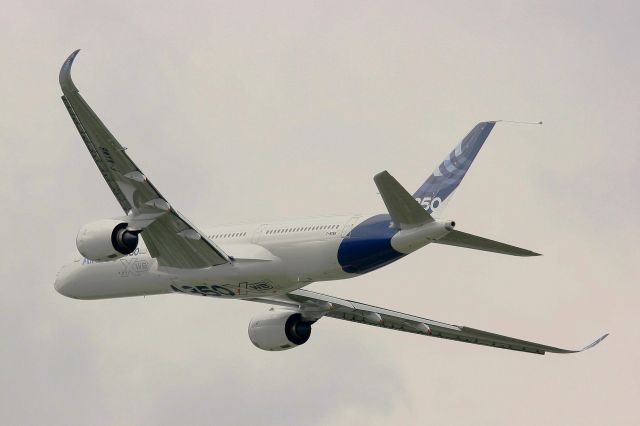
[(267, 258)]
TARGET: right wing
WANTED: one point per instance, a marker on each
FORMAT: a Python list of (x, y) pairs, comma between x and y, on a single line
[(315, 305), (169, 236)]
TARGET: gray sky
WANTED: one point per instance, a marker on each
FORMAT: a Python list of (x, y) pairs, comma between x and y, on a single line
[(247, 112)]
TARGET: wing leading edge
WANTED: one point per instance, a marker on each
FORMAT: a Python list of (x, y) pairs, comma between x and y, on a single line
[(316, 305), (169, 236)]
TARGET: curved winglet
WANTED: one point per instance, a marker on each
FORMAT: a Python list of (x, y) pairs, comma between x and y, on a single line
[(65, 74), (590, 345), (567, 351)]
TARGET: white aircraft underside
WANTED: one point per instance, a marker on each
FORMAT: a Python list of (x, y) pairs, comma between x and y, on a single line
[(267, 262)]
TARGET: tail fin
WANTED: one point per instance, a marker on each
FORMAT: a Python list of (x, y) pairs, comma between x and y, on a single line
[(446, 178)]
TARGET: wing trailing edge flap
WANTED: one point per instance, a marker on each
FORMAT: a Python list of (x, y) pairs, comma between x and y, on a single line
[(316, 305)]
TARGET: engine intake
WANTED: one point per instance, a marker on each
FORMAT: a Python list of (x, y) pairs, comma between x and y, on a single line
[(106, 240), (279, 330)]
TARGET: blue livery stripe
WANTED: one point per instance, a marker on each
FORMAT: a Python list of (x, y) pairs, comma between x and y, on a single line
[(446, 178), (369, 246)]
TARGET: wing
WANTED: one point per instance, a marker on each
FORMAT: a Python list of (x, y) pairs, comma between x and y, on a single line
[(315, 305), (169, 236)]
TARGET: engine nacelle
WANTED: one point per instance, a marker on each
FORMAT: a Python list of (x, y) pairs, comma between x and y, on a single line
[(279, 330), (105, 240)]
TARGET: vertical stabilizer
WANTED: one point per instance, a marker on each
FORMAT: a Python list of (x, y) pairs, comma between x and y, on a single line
[(447, 176)]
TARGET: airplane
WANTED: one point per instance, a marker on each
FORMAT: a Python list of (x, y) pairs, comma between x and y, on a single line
[(272, 262)]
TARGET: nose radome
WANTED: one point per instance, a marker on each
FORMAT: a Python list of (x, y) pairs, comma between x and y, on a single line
[(62, 281), (58, 284)]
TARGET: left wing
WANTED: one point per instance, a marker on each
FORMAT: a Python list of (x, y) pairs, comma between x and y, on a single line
[(315, 305), (169, 236)]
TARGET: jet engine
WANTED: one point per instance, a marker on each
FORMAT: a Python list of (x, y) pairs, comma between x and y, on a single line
[(278, 330), (106, 240)]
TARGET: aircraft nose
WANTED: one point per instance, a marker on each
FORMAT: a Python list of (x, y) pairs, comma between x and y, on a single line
[(61, 283)]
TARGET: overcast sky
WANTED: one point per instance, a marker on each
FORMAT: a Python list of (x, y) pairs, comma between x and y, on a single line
[(247, 112)]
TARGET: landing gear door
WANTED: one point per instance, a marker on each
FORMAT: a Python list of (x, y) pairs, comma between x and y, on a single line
[(346, 229)]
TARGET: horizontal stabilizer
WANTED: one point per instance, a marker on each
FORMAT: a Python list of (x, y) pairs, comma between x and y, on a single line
[(462, 239), (403, 208)]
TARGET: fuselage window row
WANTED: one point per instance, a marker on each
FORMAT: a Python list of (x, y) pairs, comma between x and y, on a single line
[(305, 229), (230, 235), (277, 231)]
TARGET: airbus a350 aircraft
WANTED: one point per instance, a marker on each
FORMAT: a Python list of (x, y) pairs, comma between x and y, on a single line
[(267, 262)]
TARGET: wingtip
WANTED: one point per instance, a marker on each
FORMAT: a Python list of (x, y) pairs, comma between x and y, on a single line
[(573, 351), (597, 341), (73, 55), (66, 83)]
